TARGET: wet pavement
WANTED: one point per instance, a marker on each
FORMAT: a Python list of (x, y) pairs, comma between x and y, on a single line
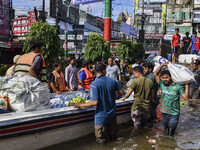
[(187, 135)]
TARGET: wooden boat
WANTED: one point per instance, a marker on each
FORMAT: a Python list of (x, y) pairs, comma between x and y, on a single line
[(39, 129)]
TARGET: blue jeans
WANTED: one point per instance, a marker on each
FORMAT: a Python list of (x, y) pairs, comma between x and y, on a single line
[(194, 52), (170, 122)]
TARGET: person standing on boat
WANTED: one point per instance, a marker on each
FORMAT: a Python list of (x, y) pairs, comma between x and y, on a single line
[(71, 75), (170, 99), (85, 77), (33, 63), (143, 98), (57, 80), (102, 95)]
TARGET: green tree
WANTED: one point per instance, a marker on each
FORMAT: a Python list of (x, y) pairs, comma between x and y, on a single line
[(126, 50), (51, 49), (95, 48), (139, 51)]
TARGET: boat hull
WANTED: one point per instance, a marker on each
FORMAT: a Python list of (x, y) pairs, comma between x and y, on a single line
[(46, 130)]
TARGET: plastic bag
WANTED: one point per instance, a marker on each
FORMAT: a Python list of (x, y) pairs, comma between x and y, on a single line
[(3, 104), (25, 93), (180, 74), (187, 58)]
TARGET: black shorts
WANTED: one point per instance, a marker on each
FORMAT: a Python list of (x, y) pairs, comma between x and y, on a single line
[(175, 49)]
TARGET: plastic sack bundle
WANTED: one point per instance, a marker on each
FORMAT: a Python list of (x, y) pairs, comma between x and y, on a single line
[(187, 58), (180, 74), (25, 93)]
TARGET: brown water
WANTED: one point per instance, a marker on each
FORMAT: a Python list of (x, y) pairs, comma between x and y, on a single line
[(187, 136)]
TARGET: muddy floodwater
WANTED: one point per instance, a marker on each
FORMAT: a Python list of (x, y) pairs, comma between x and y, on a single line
[(187, 135)]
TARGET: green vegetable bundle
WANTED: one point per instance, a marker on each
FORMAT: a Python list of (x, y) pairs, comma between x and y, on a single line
[(77, 100)]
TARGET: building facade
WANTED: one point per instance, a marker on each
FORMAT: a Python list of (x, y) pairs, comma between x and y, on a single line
[(179, 15), (22, 24), (154, 24), (196, 16)]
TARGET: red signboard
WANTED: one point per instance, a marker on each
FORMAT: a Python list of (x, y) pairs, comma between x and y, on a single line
[(4, 19)]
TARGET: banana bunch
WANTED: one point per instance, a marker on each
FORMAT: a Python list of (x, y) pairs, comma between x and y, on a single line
[(77, 100)]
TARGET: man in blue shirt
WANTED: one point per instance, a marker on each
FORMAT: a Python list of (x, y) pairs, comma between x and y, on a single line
[(194, 44), (102, 96)]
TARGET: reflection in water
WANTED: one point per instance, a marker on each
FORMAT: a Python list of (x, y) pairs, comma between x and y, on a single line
[(187, 135)]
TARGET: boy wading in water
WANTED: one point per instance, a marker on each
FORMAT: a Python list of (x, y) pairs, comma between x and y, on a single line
[(170, 99), (143, 98)]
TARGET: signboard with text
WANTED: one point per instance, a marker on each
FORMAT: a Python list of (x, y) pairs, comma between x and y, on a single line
[(196, 20), (147, 12), (76, 2), (153, 36), (196, 2), (155, 1), (171, 29), (129, 30)]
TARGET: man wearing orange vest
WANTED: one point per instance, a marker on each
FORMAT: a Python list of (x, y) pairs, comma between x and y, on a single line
[(57, 80), (33, 63), (85, 78)]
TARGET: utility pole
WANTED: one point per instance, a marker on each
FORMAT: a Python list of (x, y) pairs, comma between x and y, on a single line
[(142, 32), (11, 16), (36, 13), (43, 10), (142, 14), (57, 19), (107, 22), (68, 5)]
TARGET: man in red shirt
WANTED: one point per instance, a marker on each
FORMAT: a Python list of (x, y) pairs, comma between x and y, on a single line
[(174, 44)]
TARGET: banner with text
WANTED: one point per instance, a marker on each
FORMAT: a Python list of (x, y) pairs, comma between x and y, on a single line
[(129, 30)]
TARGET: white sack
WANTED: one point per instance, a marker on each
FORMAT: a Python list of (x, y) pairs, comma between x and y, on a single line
[(25, 93), (180, 74), (187, 58)]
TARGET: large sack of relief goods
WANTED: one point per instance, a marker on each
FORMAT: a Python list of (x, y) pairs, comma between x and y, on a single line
[(25, 93), (180, 74), (187, 58)]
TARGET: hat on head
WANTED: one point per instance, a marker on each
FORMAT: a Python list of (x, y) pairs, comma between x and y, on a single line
[(135, 65)]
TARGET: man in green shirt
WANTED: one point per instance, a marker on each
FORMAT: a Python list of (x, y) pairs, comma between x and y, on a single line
[(170, 99), (148, 69), (143, 98)]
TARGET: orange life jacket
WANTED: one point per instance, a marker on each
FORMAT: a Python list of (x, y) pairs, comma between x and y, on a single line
[(59, 81), (88, 80), (24, 63)]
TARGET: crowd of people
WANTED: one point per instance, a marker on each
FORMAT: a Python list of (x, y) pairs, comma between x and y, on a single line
[(107, 78), (189, 45)]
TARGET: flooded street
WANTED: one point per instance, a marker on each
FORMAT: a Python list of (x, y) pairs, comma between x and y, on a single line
[(187, 136)]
